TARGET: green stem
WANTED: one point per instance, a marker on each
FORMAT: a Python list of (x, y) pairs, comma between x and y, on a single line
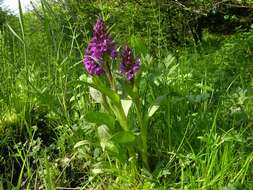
[(109, 76), (120, 115), (106, 105), (117, 109), (143, 134)]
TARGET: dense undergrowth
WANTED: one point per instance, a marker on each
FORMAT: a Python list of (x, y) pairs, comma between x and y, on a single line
[(201, 137)]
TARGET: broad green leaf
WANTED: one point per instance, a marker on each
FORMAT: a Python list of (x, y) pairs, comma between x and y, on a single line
[(123, 137), (98, 85), (152, 110), (126, 104), (108, 145), (105, 139), (121, 117), (103, 132), (104, 136), (155, 106), (96, 95), (100, 118), (105, 90)]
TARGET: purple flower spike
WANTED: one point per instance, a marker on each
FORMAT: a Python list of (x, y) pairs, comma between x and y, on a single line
[(129, 65), (101, 44)]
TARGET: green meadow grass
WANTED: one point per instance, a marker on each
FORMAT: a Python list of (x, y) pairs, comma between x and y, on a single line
[(200, 138)]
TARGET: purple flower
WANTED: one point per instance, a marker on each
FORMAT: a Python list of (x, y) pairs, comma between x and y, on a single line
[(100, 45), (129, 65)]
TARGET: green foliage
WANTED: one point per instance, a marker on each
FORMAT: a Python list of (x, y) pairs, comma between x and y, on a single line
[(196, 100), (100, 118)]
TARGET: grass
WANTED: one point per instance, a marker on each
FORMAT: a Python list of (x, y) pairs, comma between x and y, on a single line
[(200, 138)]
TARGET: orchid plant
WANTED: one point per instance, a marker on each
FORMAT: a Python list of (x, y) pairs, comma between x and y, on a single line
[(115, 128)]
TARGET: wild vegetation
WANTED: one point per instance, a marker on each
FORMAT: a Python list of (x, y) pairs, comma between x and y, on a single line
[(138, 94)]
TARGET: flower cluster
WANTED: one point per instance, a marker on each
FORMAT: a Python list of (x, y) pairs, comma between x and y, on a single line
[(100, 45), (129, 65)]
